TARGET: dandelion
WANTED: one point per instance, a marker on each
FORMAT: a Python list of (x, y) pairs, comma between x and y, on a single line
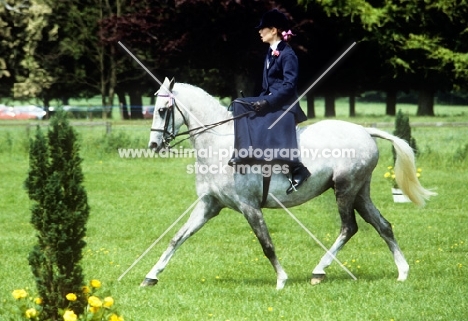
[(115, 317), (94, 301), (30, 313), (86, 289), (38, 301), (94, 309), (69, 315), (95, 284), (270, 309), (19, 294), (71, 297), (108, 302)]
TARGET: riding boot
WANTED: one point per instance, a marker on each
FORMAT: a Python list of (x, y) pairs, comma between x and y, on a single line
[(299, 174)]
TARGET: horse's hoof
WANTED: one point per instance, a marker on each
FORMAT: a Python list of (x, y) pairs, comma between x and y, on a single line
[(149, 282), (317, 279), (280, 283)]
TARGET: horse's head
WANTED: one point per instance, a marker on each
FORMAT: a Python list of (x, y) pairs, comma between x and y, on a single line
[(167, 117)]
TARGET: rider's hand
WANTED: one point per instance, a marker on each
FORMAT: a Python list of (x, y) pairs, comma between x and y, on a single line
[(260, 105)]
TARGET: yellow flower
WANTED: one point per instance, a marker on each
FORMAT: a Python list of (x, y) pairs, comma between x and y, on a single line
[(270, 309), (38, 301), (108, 302), (31, 313), (71, 297), (69, 315), (94, 309), (96, 284), (86, 289), (115, 317), (94, 301), (19, 294), (387, 175)]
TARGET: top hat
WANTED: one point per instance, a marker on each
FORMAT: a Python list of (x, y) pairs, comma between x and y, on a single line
[(273, 18)]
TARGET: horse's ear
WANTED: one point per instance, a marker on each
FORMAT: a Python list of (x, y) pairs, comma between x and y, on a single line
[(171, 85), (167, 85)]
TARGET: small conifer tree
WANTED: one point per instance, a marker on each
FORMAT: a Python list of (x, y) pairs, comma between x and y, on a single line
[(59, 214), (403, 130)]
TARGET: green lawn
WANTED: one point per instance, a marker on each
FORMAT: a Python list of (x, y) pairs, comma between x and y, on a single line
[(221, 272)]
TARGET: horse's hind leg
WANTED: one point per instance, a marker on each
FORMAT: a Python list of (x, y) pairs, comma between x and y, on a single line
[(258, 225), (206, 209), (371, 215), (349, 227)]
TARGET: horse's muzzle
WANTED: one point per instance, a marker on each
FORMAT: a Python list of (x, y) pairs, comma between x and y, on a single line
[(153, 146)]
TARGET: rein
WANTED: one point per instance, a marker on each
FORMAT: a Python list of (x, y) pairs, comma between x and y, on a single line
[(201, 129)]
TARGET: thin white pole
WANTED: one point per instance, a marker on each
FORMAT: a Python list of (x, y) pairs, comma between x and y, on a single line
[(312, 236), (159, 238)]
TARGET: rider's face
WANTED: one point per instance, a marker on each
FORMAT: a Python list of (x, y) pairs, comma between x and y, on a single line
[(268, 35)]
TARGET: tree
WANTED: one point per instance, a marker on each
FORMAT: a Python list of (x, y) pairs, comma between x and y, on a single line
[(197, 41), (403, 130), (421, 44), (59, 214)]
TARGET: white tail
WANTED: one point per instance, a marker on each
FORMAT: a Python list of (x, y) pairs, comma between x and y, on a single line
[(405, 168)]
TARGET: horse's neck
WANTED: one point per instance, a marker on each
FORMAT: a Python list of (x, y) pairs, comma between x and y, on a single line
[(202, 109)]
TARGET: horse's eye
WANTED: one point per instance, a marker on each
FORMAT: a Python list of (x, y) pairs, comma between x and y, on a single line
[(162, 112)]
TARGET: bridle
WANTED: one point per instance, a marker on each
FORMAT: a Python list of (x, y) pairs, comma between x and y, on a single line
[(168, 136), (169, 119)]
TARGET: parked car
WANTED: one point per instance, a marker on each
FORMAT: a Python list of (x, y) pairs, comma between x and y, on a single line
[(21, 112), (148, 112)]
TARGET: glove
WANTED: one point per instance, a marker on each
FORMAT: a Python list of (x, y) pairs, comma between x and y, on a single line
[(260, 105)]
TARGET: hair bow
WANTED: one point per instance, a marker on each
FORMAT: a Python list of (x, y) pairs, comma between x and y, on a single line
[(287, 34)]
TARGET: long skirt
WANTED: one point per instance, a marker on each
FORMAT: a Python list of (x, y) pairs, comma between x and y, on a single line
[(254, 141)]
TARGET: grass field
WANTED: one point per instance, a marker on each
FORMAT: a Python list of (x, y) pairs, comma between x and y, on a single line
[(221, 272)]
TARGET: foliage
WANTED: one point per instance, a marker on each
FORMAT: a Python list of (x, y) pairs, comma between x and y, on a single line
[(59, 214), (403, 130), (98, 308)]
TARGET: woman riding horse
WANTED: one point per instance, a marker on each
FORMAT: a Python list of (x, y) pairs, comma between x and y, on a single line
[(255, 132)]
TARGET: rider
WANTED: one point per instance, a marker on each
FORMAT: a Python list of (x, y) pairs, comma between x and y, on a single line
[(271, 125)]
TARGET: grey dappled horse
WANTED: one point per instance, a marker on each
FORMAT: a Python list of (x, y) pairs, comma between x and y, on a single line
[(350, 176)]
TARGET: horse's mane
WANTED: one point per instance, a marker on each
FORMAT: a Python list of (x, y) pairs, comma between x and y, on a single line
[(214, 110), (206, 96)]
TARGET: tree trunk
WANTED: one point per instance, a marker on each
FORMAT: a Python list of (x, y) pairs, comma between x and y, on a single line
[(352, 105), (425, 102), (330, 105), (124, 114), (390, 102), (136, 104), (310, 105), (112, 81)]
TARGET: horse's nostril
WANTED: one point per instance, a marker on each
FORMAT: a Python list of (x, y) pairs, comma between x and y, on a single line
[(153, 145)]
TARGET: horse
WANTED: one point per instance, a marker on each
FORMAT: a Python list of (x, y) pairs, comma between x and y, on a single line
[(210, 126)]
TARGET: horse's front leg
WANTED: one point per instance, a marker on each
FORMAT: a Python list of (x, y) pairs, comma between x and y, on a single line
[(206, 209), (258, 225)]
